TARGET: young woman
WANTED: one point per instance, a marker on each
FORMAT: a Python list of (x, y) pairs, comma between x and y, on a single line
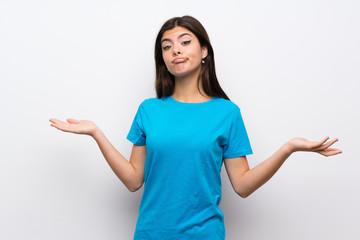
[(182, 138)]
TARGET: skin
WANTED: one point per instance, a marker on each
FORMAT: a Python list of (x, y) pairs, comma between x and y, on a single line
[(181, 43)]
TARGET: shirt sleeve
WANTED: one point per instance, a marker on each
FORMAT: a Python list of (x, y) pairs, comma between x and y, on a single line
[(237, 143), (137, 134)]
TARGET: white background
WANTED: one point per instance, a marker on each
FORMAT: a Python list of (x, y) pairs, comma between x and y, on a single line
[(291, 66)]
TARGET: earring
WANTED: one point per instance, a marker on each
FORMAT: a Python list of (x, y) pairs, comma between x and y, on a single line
[(202, 61)]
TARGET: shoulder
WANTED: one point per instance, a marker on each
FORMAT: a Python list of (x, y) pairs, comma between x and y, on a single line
[(228, 105), (150, 102)]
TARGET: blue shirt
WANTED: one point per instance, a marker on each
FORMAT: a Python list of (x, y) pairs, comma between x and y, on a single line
[(186, 144)]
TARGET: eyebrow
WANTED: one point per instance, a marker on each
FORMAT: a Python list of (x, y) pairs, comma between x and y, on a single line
[(180, 36)]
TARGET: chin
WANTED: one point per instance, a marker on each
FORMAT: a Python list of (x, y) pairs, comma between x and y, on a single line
[(181, 74)]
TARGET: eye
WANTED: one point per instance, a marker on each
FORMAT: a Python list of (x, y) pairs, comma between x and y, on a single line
[(186, 42), (166, 47)]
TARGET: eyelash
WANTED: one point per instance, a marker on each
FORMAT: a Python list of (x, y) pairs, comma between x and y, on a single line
[(186, 43)]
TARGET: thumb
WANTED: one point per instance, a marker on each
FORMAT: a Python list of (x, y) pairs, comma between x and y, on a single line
[(71, 120)]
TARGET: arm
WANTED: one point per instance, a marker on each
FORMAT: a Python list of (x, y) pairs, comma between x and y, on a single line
[(130, 173), (245, 181)]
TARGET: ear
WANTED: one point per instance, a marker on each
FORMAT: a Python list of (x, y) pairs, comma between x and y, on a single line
[(204, 52)]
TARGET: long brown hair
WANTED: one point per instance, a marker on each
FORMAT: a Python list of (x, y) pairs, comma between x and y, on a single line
[(165, 81)]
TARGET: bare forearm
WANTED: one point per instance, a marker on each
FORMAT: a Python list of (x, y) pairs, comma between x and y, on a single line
[(118, 163), (259, 175)]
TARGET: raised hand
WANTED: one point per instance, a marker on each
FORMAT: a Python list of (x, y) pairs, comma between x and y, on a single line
[(74, 126), (321, 147)]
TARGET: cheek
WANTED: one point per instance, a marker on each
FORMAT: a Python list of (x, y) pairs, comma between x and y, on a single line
[(196, 53), (166, 58)]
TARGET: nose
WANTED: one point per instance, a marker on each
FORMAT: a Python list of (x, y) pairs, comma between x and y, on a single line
[(176, 50)]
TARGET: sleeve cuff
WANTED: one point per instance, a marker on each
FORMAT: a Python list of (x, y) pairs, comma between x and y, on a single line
[(239, 153)]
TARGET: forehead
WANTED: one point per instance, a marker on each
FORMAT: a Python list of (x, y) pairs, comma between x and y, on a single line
[(175, 32)]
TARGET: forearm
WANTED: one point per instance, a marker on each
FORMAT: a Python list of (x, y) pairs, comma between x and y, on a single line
[(118, 163), (259, 175)]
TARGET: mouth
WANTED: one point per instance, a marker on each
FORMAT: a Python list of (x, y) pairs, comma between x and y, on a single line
[(179, 60)]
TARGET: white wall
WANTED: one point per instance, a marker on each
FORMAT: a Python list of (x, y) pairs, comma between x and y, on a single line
[(291, 66)]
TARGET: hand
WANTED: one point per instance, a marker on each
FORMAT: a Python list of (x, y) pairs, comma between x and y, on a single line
[(74, 126), (301, 144)]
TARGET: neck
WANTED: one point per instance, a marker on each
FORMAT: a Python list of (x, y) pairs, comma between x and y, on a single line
[(186, 89)]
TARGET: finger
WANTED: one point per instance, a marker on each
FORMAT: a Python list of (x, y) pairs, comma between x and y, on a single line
[(71, 120), (325, 146), (61, 125), (330, 152), (57, 121), (53, 120), (331, 143), (315, 145)]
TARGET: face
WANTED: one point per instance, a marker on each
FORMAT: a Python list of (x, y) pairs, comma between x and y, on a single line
[(182, 52)]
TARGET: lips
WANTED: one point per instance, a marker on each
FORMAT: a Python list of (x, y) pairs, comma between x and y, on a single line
[(179, 60)]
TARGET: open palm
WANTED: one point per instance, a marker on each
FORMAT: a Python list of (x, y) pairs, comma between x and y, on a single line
[(322, 147), (74, 126)]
